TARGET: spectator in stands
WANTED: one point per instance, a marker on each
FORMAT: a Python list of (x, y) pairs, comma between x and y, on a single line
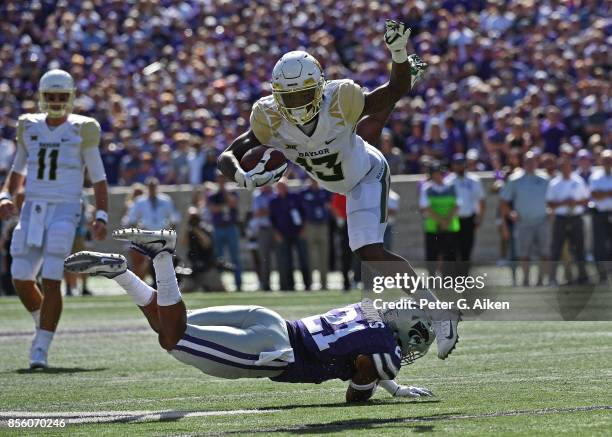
[(471, 200), (223, 206), (553, 131), (392, 154), (439, 205), (266, 242), (315, 202), (523, 202), (287, 217), (112, 155), (567, 195), (153, 211), (600, 184), (198, 238)]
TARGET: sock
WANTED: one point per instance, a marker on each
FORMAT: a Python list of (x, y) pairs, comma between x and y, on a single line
[(168, 292), (43, 339), (140, 292), (36, 317)]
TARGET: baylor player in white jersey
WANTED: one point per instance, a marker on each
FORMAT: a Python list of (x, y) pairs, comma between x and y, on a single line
[(53, 149), (315, 123)]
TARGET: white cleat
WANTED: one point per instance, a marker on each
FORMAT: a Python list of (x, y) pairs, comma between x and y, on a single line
[(38, 359), (446, 336), (96, 264), (150, 243)]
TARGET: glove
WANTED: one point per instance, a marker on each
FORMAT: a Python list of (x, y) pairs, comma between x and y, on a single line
[(396, 38), (417, 69), (403, 391), (259, 176)]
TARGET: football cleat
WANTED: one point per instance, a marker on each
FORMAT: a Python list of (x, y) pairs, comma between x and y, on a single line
[(446, 336), (150, 243), (96, 264), (38, 359)]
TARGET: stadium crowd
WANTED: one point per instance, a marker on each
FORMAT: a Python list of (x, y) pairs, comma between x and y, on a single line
[(172, 83)]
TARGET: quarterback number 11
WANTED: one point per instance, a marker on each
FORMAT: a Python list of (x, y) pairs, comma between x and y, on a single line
[(42, 154)]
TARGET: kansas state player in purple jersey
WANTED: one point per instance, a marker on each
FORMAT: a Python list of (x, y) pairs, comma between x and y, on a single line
[(355, 343)]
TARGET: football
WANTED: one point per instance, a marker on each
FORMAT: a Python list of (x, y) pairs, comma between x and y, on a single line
[(254, 155)]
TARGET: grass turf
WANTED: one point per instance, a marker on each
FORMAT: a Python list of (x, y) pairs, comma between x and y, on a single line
[(504, 378)]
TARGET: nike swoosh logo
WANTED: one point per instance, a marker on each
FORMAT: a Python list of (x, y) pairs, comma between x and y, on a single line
[(330, 141), (450, 335)]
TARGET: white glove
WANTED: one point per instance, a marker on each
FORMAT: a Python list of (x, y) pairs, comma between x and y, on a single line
[(403, 391), (396, 38), (417, 69), (259, 176)]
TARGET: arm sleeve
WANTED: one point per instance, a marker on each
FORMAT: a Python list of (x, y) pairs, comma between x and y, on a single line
[(351, 100), (507, 192), (260, 125), (21, 156), (93, 161), (387, 365)]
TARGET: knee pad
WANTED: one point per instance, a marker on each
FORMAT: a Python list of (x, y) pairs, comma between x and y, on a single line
[(60, 236)]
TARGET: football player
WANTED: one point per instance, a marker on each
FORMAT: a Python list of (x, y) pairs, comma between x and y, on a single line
[(313, 123), (53, 148), (355, 343)]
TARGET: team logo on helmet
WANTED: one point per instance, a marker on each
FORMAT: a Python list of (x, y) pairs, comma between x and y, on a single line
[(297, 87)]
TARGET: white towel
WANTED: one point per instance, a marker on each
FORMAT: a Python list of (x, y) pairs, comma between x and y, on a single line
[(36, 225), (283, 355)]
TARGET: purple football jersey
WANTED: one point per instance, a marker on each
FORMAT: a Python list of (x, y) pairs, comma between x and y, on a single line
[(325, 346)]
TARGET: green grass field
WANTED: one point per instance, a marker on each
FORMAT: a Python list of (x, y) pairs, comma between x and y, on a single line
[(112, 378)]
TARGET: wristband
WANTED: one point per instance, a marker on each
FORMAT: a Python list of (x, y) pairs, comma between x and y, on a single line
[(5, 195), (102, 216), (363, 387), (399, 56)]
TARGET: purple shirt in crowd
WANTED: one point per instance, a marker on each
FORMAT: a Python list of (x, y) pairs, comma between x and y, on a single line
[(227, 216), (326, 346), (553, 136), (315, 202), (287, 214)]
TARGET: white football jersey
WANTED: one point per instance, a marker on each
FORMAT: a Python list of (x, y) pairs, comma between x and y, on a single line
[(334, 154), (55, 165)]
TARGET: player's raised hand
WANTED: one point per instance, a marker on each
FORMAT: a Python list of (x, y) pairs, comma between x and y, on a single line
[(396, 38), (417, 68), (7, 209), (405, 391)]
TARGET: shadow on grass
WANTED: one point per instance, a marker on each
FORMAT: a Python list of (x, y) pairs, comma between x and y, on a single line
[(370, 404), (57, 370)]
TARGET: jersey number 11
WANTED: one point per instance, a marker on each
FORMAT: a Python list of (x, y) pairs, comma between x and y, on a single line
[(42, 155)]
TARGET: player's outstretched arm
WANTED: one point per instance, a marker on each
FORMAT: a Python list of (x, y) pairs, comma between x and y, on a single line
[(405, 70)]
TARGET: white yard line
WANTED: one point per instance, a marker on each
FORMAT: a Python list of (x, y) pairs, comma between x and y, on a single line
[(76, 417)]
